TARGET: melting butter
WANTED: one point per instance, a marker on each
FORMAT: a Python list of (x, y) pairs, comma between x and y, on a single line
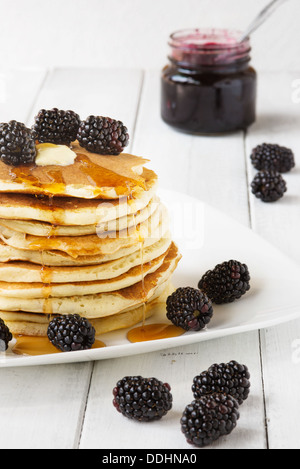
[(50, 154)]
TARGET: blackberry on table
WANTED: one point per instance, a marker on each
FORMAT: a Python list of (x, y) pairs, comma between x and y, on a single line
[(71, 332), (227, 378), (17, 144), (272, 157), (268, 186), (142, 399), (208, 418), (56, 126), (226, 283), (5, 336), (103, 135), (189, 308)]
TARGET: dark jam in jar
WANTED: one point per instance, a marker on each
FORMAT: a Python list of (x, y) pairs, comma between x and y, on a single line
[(209, 86)]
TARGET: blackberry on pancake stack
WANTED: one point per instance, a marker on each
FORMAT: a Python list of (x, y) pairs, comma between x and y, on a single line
[(82, 230)]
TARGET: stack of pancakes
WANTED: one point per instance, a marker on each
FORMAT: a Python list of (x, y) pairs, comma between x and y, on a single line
[(91, 238)]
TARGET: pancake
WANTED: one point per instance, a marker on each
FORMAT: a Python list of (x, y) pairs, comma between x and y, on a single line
[(91, 176), (74, 211), (88, 245), (55, 258), (101, 304), (40, 290), (38, 228), (28, 324), (27, 280)]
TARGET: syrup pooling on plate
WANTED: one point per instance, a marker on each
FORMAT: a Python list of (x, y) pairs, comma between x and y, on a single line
[(154, 332), (34, 345)]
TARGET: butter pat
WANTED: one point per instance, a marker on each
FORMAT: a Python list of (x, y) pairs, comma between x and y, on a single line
[(50, 154)]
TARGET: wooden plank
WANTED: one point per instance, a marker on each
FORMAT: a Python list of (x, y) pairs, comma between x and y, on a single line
[(105, 428), (42, 407), (218, 174), (202, 167), (278, 122), (18, 90), (103, 92), (281, 377)]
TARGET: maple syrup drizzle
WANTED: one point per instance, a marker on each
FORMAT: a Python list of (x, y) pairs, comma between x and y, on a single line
[(28, 175), (106, 178), (51, 179), (143, 279), (34, 345), (141, 242), (46, 278)]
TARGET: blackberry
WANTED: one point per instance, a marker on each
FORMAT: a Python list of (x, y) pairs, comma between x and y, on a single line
[(71, 332), (226, 283), (17, 144), (5, 336), (208, 418), (56, 126), (269, 186), (230, 378), (103, 135), (189, 308), (272, 157), (142, 399)]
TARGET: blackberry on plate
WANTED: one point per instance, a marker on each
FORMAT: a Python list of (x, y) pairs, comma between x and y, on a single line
[(103, 135), (189, 308), (56, 126), (272, 157), (71, 332), (5, 336), (17, 144), (227, 378), (208, 418), (269, 186), (142, 399), (226, 283)]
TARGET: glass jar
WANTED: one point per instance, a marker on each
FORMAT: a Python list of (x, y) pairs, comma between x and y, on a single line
[(209, 86)]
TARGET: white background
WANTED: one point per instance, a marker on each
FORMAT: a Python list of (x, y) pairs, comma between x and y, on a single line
[(134, 33)]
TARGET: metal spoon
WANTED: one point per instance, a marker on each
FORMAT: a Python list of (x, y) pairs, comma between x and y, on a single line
[(261, 18)]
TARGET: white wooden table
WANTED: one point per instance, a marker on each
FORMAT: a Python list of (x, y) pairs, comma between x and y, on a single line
[(70, 406)]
